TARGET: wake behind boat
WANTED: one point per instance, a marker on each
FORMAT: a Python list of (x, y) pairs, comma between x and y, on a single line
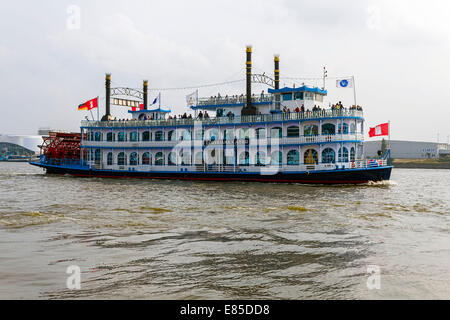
[(286, 135)]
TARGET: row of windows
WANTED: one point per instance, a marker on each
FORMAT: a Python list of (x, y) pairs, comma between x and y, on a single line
[(310, 156), (302, 96), (229, 134)]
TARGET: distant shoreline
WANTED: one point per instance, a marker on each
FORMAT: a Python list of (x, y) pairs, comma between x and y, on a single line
[(421, 164)]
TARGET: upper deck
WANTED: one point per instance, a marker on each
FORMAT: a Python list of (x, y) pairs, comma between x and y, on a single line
[(233, 120)]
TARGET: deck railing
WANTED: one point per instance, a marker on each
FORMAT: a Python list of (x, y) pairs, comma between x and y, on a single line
[(227, 120)]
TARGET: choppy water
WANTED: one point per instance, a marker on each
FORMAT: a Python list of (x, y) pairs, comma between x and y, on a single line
[(204, 240)]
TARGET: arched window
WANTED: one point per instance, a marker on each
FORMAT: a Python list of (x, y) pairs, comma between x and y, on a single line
[(121, 136), (244, 158), (276, 132), (213, 134), (328, 156), (110, 136), (244, 133), (185, 134), (97, 156), (293, 158), (229, 134), (260, 158), (171, 136), (276, 158), (98, 136), (311, 130), (159, 136), (159, 159), (293, 132), (121, 159), (343, 155), (260, 133), (146, 158), (133, 136), (109, 159), (352, 154), (133, 159), (172, 159), (146, 136), (310, 157), (328, 129), (345, 126)]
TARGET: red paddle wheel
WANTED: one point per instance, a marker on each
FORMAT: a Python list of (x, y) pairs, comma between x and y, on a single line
[(61, 145)]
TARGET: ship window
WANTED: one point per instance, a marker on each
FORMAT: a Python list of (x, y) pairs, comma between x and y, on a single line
[(298, 96), (133, 136), (276, 158), (293, 131), (328, 128), (172, 159), (260, 158), (343, 155), (244, 158), (328, 156), (318, 97), (97, 156), (121, 136), (228, 156), (171, 135), (98, 136), (352, 154), (109, 159), (229, 134), (310, 157), (110, 136), (260, 133), (275, 132), (244, 133), (159, 136), (159, 159), (134, 159), (146, 136), (311, 130), (293, 158), (287, 96), (352, 128), (146, 158), (185, 135), (309, 96), (121, 158), (345, 129), (213, 134)]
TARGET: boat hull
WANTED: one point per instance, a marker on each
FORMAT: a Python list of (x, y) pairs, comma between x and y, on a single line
[(345, 176)]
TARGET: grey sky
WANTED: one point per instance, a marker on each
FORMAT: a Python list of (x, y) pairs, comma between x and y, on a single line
[(398, 52)]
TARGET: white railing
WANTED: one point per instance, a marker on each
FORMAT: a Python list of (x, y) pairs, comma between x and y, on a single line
[(224, 120)]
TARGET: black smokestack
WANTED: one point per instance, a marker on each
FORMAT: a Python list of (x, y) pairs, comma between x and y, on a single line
[(107, 97), (145, 94), (276, 60), (248, 108), (249, 76)]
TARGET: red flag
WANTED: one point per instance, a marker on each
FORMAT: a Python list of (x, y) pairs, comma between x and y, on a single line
[(133, 108), (88, 105), (379, 130), (141, 106)]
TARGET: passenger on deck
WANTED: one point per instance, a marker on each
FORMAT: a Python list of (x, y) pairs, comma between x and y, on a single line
[(200, 115), (297, 109), (302, 109), (206, 115)]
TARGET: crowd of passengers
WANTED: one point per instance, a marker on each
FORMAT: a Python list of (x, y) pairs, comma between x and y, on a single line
[(205, 115)]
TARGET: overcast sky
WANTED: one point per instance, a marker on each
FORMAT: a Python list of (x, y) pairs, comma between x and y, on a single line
[(398, 51)]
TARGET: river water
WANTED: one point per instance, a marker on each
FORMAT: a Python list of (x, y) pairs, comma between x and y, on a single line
[(144, 239)]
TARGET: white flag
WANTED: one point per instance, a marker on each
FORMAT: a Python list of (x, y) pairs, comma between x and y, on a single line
[(192, 99), (344, 83)]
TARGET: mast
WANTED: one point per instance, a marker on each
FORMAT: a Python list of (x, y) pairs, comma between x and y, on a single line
[(249, 109), (276, 61), (107, 97)]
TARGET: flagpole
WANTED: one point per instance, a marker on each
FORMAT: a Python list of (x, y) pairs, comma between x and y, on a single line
[(354, 89), (98, 112), (92, 115)]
